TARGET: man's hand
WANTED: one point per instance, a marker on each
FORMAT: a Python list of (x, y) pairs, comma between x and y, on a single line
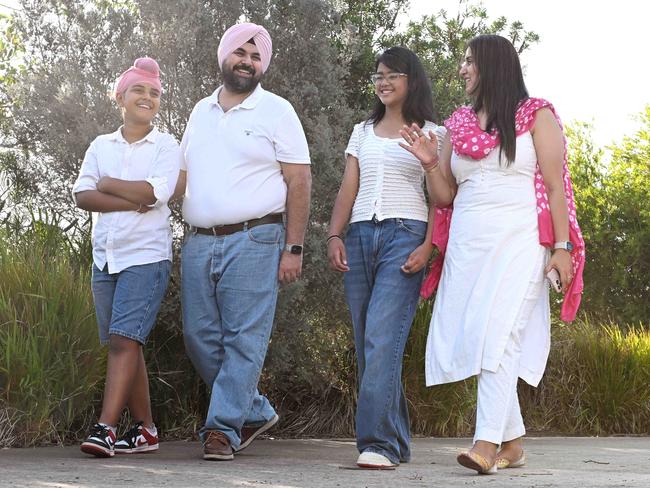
[(290, 267)]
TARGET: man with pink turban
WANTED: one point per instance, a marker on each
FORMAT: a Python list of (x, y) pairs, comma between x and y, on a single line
[(246, 180)]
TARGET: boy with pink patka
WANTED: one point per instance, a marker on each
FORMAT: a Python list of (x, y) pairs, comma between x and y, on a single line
[(125, 180)]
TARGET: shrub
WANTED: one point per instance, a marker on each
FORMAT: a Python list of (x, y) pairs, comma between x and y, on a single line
[(442, 410), (596, 383), (51, 366)]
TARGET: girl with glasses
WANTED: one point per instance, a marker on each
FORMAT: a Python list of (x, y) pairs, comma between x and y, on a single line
[(384, 251)]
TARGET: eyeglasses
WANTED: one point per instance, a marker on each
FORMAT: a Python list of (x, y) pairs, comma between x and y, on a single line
[(390, 77)]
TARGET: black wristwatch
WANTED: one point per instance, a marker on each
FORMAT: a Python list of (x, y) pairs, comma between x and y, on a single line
[(293, 248)]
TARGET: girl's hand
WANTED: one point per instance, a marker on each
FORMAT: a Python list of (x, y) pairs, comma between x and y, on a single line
[(561, 261), (336, 255), (419, 145), (418, 259)]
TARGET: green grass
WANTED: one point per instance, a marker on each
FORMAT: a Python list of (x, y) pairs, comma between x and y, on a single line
[(51, 366), (443, 410), (596, 383)]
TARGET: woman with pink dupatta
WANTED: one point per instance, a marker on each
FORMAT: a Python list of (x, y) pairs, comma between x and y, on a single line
[(503, 169)]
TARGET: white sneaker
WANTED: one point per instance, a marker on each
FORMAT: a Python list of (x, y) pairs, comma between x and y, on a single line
[(368, 459)]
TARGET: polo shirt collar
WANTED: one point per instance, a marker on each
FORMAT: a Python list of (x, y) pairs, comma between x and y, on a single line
[(249, 102), (150, 137)]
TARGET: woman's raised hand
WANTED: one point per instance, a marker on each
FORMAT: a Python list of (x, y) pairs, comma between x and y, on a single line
[(422, 147)]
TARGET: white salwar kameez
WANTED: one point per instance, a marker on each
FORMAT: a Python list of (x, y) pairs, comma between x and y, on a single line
[(491, 314)]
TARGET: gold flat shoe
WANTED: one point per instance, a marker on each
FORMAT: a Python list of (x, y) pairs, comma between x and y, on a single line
[(503, 463), (475, 461)]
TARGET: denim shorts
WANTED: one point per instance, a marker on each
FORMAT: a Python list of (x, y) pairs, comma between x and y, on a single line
[(127, 303)]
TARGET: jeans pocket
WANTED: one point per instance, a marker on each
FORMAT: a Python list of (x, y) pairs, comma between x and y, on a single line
[(415, 227), (266, 233), (187, 235), (353, 230), (165, 271)]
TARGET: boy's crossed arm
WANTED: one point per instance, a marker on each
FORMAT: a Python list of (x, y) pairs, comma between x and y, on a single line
[(115, 195)]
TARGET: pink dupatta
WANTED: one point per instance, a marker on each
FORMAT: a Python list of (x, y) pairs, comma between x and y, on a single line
[(468, 139)]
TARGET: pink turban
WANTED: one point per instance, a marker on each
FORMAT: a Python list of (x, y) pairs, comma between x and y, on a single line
[(238, 35), (144, 70)]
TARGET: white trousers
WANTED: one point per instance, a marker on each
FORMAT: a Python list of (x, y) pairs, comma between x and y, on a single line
[(498, 416)]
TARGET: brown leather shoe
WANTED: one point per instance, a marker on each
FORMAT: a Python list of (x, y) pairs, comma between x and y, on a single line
[(216, 446), (250, 432)]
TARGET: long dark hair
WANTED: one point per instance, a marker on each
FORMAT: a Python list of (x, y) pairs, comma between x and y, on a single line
[(418, 106), (500, 87)]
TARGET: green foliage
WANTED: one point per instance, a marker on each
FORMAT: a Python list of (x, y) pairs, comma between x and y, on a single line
[(70, 53), (595, 384), (442, 410), (615, 220), (615, 366), (50, 362), (440, 42), (363, 28), (11, 67), (627, 227), (10, 50)]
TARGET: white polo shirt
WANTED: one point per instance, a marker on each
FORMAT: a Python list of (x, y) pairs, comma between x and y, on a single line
[(129, 238), (233, 158)]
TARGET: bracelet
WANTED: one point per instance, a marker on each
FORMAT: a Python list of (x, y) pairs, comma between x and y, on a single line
[(333, 236), (430, 171)]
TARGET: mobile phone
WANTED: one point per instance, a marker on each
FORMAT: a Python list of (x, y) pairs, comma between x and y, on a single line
[(554, 278)]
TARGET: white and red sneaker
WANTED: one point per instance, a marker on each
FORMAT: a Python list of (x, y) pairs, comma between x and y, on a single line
[(136, 440), (100, 442)]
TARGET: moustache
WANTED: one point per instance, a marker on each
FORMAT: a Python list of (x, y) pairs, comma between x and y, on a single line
[(243, 67)]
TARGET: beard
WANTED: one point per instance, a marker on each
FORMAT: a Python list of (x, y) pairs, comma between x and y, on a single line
[(238, 84)]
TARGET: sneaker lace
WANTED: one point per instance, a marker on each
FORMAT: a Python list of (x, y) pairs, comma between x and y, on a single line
[(101, 431), (132, 434)]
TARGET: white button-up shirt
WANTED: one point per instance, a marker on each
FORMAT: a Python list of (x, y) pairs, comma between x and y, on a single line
[(233, 158), (129, 238)]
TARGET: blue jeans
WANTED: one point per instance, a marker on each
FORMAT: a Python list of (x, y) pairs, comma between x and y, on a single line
[(382, 301), (127, 303), (229, 288)]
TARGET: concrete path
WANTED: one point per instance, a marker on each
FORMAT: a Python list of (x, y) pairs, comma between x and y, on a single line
[(269, 463)]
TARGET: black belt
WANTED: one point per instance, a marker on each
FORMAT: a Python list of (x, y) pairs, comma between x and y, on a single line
[(224, 230)]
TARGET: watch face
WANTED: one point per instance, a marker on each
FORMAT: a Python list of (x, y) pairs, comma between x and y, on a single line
[(295, 249), (569, 246)]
